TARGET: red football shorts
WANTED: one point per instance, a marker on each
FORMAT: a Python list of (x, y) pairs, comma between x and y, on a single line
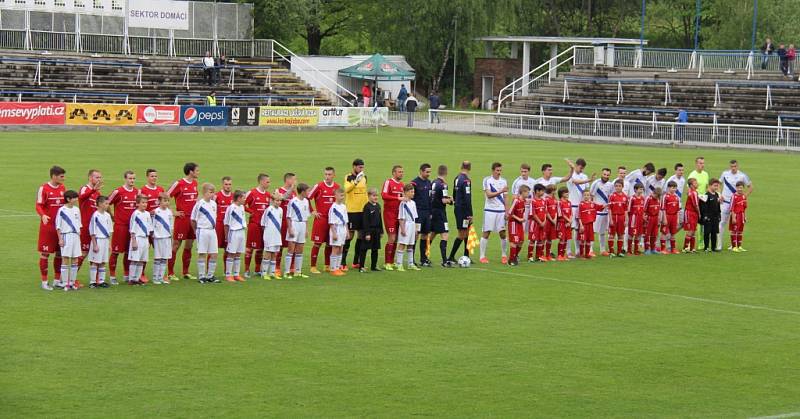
[(618, 227), (738, 226), (48, 238), (672, 225), (320, 230), (255, 236), (551, 231), (635, 225), (183, 229), (537, 232), (588, 232), (86, 239), (564, 230), (690, 220), (120, 238), (390, 222), (222, 240), (651, 227), (516, 232)]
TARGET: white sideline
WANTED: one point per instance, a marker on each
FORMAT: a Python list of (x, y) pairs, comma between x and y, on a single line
[(17, 215), (643, 291), (781, 416), (15, 211)]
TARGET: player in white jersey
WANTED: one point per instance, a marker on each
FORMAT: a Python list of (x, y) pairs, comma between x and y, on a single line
[(204, 222), (337, 222), (638, 176), (407, 225), (548, 179), (576, 185), (163, 226), (656, 181), (234, 223), (141, 227), (729, 179), (495, 189), (68, 226), (272, 224), (100, 228), (298, 214), (601, 190)]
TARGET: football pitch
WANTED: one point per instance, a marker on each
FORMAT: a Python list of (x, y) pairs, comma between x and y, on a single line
[(702, 335)]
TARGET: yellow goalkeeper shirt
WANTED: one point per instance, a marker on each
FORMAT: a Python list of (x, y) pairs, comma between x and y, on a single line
[(355, 193)]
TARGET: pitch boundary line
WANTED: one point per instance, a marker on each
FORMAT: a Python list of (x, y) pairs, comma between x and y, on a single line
[(15, 211), (651, 292), (17, 215), (781, 416)]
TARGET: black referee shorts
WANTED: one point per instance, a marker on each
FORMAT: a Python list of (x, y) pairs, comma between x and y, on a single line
[(439, 221), (424, 220), (355, 221)]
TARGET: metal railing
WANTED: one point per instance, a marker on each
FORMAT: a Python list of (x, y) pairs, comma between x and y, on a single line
[(346, 97), (607, 130), (226, 100), (38, 95), (543, 74)]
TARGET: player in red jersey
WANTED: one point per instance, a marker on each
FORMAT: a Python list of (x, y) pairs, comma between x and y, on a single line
[(124, 201), (516, 223), (287, 191), (738, 217), (224, 199), (551, 226), (635, 219), (255, 202), (672, 207), (564, 223), (151, 190), (184, 191), (618, 208), (652, 219), (538, 223), (322, 196), (587, 216), (87, 202), (691, 216), (49, 198), (392, 194)]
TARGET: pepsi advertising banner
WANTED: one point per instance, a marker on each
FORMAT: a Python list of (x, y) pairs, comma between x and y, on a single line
[(204, 116)]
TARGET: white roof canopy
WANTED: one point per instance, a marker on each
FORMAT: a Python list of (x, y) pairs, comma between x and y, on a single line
[(562, 40)]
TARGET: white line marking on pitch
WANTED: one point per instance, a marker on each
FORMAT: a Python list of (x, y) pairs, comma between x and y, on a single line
[(15, 211), (643, 291), (17, 215), (781, 416)]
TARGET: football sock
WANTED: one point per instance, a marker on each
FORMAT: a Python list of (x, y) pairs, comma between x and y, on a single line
[(186, 259), (43, 267), (672, 243), (374, 258), (57, 260), (359, 245), (112, 264), (619, 245), (423, 249), (315, 254), (663, 244), (80, 261), (237, 263), (288, 261), (562, 248), (443, 249), (334, 263), (92, 273), (603, 243), (298, 263), (548, 247), (201, 266), (346, 249), (171, 262), (454, 250), (132, 271), (144, 268), (126, 264), (531, 246), (248, 254), (398, 259), (74, 271), (388, 252), (212, 267), (504, 246), (610, 244), (265, 266), (410, 252), (229, 266), (328, 255), (259, 254), (278, 259), (484, 243), (101, 274)]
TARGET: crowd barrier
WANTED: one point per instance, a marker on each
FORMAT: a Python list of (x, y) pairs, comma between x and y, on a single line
[(103, 114)]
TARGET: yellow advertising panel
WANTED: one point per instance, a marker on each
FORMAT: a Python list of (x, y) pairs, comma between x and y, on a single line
[(101, 114), (296, 116)]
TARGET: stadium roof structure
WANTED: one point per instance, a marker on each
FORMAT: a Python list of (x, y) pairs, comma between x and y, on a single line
[(378, 68), (563, 40)]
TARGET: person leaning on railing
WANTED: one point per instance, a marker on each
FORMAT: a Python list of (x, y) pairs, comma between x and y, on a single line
[(766, 50), (208, 68)]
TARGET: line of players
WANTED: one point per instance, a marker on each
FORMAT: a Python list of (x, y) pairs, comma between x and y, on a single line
[(413, 212)]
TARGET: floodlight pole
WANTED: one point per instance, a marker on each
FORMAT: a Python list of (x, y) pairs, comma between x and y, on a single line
[(455, 57), (755, 25), (697, 24)]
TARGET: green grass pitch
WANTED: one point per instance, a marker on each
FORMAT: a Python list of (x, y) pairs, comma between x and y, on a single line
[(659, 336)]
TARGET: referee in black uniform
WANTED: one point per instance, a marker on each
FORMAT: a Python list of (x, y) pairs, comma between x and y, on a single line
[(462, 194), (422, 198), (441, 199)]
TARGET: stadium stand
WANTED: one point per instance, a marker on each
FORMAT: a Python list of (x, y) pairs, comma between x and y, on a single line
[(646, 94), (67, 77)]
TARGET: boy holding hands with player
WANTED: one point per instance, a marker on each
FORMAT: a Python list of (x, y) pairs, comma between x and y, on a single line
[(672, 208), (163, 226), (234, 224), (652, 212), (100, 228), (337, 222), (636, 219), (587, 216), (68, 227), (738, 218), (204, 222), (516, 223), (272, 223), (408, 229), (618, 207), (141, 227), (299, 212), (538, 219)]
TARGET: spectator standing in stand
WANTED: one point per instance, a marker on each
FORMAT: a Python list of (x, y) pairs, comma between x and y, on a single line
[(784, 59), (366, 92), (791, 54), (208, 68), (766, 50), (435, 103)]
